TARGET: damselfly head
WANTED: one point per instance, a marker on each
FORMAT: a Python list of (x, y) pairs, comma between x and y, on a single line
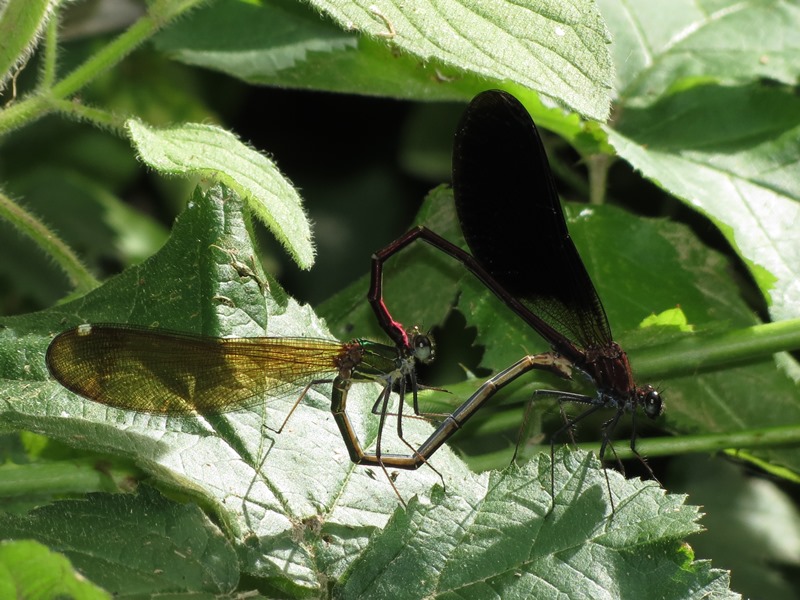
[(422, 345), (650, 401)]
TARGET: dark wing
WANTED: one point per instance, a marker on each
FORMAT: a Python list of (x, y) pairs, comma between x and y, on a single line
[(513, 222), (165, 372)]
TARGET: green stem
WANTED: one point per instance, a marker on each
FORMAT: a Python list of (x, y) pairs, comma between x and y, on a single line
[(694, 354), (769, 437), (96, 116), (679, 358), (688, 356), (38, 105), (29, 225), (109, 56), (19, 114), (709, 443), (160, 15), (64, 477), (49, 55), (598, 165)]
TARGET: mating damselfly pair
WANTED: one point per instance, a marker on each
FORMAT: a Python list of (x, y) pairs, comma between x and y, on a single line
[(507, 206)]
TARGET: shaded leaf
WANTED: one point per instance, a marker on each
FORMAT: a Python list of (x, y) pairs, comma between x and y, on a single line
[(137, 545), (206, 149), (745, 177), (696, 119), (559, 49), (658, 44), (753, 526)]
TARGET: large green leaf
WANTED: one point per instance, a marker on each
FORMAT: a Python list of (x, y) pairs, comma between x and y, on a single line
[(138, 545), (447, 49), (695, 117), (513, 543), (196, 284), (658, 44), (297, 512)]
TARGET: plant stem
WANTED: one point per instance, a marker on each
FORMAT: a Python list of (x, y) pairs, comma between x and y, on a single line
[(598, 165), (769, 437), (96, 116), (51, 245), (42, 103), (62, 477), (731, 443), (51, 97), (106, 58), (694, 354), (49, 55), (686, 356)]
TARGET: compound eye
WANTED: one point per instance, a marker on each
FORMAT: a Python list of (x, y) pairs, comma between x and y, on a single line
[(423, 348), (652, 404)]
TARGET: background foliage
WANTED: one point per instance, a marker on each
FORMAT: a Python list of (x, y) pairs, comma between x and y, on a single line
[(678, 123)]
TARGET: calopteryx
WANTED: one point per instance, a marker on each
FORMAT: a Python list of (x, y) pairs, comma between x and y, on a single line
[(513, 222), (172, 373)]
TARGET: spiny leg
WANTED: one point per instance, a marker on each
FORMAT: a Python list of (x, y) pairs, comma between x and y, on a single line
[(414, 389), (385, 395), (297, 403), (641, 458)]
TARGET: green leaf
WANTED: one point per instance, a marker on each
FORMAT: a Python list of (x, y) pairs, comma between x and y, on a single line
[(297, 512), (193, 148), (560, 50), (510, 542), (696, 118), (658, 44), (30, 570), (21, 21), (733, 154), (753, 526), (222, 36), (261, 484), (557, 48), (137, 545)]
